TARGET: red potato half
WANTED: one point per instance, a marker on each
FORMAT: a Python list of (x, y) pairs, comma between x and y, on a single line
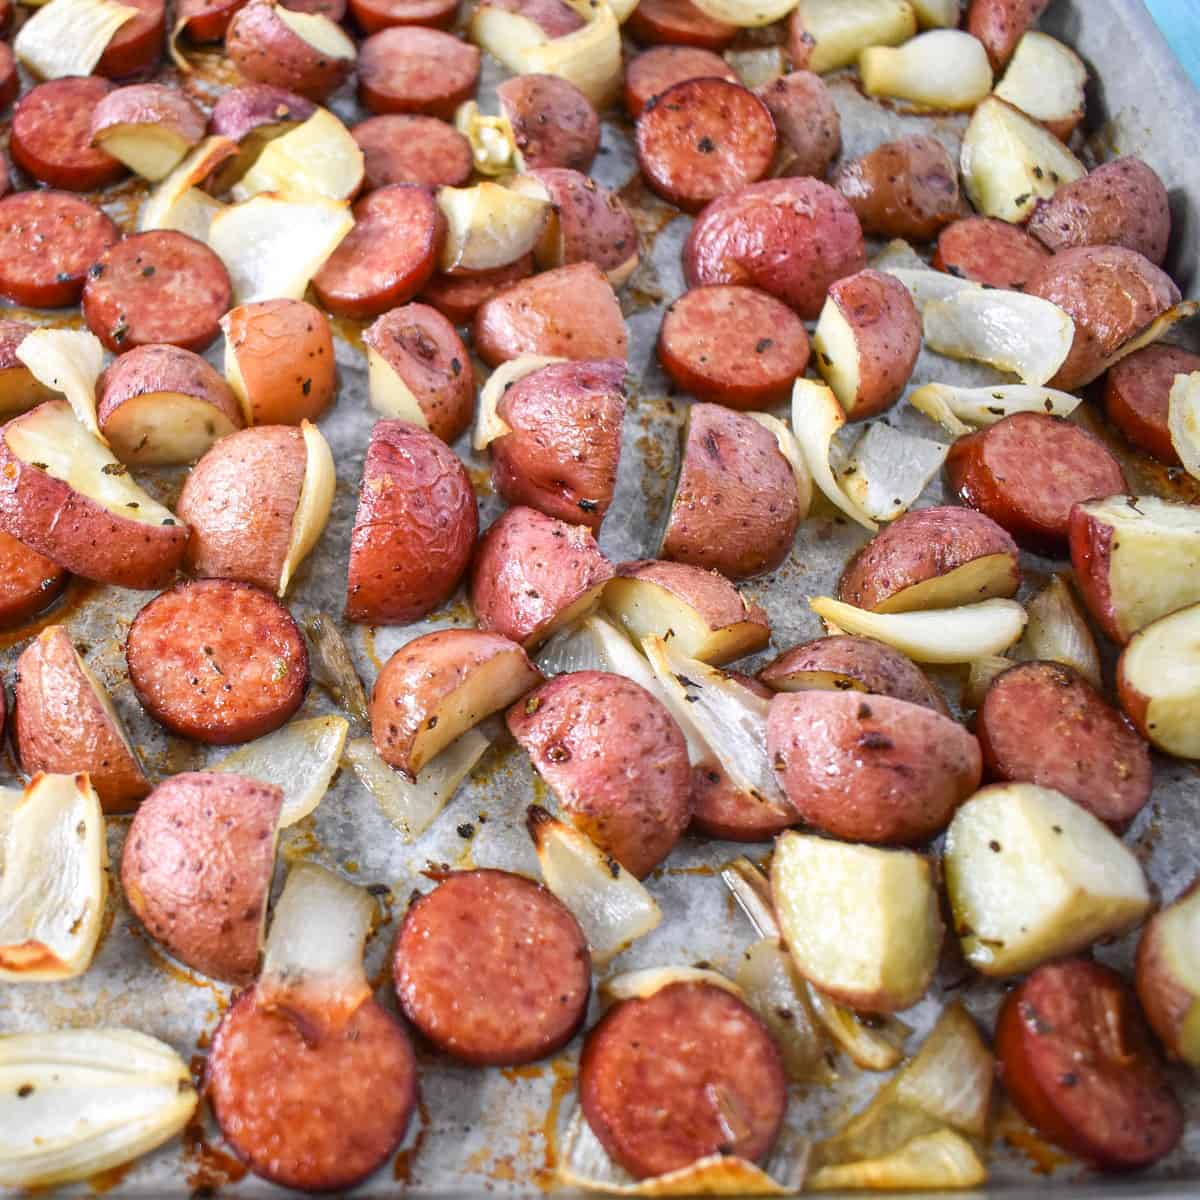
[(19, 389), (197, 867), (871, 769), (736, 508), (163, 405), (1158, 682), (534, 575), (932, 558), (64, 723), (1046, 80), (148, 126), (867, 342), (553, 123), (1168, 976), (414, 528), (700, 611), (806, 119), (440, 685), (66, 496), (1000, 24), (253, 115)]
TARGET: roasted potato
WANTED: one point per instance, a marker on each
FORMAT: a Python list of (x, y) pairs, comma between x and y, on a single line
[(161, 405), (1168, 976), (64, 723), (19, 390), (29, 582), (1158, 683), (197, 867), (615, 760), (735, 508), (440, 685), (944, 69), (807, 122), (867, 342), (870, 769), (553, 123), (824, 35), (932, 558), (1046, 81), (1000, 24), (487, 227), (1137, 393), (148, 126), (253, 115)]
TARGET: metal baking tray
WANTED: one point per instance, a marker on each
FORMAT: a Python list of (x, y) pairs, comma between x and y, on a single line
[(500, 1130)]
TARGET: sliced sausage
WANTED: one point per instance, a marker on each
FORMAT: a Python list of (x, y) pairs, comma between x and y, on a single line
[(48, 240), (492, 969), (553, 122), (217, 661), (160, 286), (374, 15), (735, 346), (684, 1073), (458, 297), (1042, 723), (387, 257), (652, 72), (52, 135), (402, 148), (678, 23), (136, 47), (205, 20), (1137, 392), (720, 809), (704, 138), (806, 121), (1076, 1058), (1026, 471), (408, 69), (553, 17), (10, 80), (990, 252), (28, 582), (315, 1114)]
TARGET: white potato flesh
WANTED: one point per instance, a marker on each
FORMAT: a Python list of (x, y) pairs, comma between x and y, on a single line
[(888, 470), (1183, 419), (165, 428), (174, 204), (590, 58), (317, 158), (69, 37), (841, 29), (318, 31), (68, 361), (488, 226), (1161, 665), (937, 14), (1032, 876), (942, 69), (1177, 932), (314, 505), (1045, 80), (151, 151)]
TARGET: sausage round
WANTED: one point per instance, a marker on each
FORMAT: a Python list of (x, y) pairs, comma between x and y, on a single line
[(679, 23), (684, 1073), (732, 345), (704, 138), (990, 252), (10, 80), (313, 1114), (807, 122), (52, 135), (48, 240), (457, 297), (406, 148), (28, 582), (410, 69), (553, 122), (1027, 471), (387, 257), (652, 72), (374, 15), (492, 969), (217, 661), (136, 47), (160, 286), (1137, 392), (1076, 1058), (1042, 723)]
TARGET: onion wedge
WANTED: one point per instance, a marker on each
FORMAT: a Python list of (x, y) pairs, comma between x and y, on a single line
[(333, 668), (960, 409), (54, 886), (69, 37), (746, 14), (946, 635), (1183, 417), (177, 201), (888, 470), (493, 147), (980, 674), (413, 807), (1058, 632), (613, 909), (640, 985), (756, 66), (899, 255), (1024, 335), (82, 1101), (926, 285), (300, 759), (932, 1162), (816, 418), (67, 361), (488, 426), (317, 158), (314, 505), (590, 58), (488, 226)]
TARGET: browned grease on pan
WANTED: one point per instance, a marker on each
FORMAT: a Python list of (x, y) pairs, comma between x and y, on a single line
[(402, 1167)]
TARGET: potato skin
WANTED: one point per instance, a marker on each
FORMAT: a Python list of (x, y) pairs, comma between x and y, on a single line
[(265, 50), (241, 110), (1165, 1001), (999, 25), (921, 545), (594, 224), (553, 123), (1120, 203), (414, 529), (1110, 292), (614, 758), (150, 104), (562, 454), (197, 866), (61, 726), (240, 500), (870, 769), (735, 508), (806, 119)]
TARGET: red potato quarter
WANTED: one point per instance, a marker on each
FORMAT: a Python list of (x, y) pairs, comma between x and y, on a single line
[(553, 122), (406, 148), (413, 70), (52, 135), (1136, 395), (806, 121), (678, 23), (990, 252), (29, 582), (374, 15), (720, 809), (652, 72), (459, 297), (1000, 25)]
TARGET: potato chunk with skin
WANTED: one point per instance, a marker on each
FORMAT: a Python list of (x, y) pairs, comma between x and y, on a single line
[(1168, 975), (1032, 876)]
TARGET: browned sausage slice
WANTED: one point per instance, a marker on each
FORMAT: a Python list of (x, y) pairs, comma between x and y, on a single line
[(316, 1115), (458, 297), (374, 15), (160, 286), (48, 240), (679, 23), (52, 135), (807, 122), (136, 47), (1026, 471), (217, 661), (684, 1073), (1042, 723), (492, 969), (403, 148), (409, 69), (10, 80), (1077, 1059), (387, 257), (720, 809), (735, 346), (1136, 395), (989, 251), (652, 72), (553, 122), (28, 582)]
